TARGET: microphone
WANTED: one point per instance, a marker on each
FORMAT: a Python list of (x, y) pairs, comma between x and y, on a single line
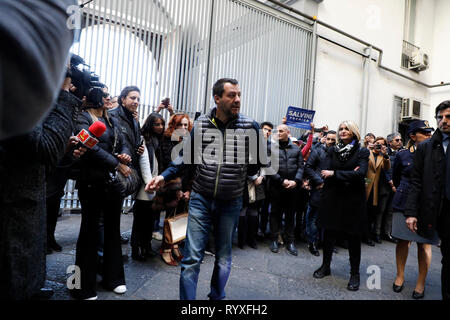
[(86, 138)]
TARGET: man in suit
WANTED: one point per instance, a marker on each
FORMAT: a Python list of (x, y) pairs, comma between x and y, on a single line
[(428, 204)]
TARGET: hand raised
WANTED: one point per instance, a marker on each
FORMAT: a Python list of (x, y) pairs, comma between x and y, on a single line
[(155, 184)]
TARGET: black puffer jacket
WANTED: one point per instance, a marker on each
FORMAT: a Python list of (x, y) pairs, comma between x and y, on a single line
[(129, 129), (98, 162), (225, 179), (290, 165)]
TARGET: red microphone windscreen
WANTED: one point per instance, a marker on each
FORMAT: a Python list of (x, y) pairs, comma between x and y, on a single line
[(98, 128)]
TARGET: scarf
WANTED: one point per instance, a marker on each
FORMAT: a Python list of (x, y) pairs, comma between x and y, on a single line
[(344, 151)]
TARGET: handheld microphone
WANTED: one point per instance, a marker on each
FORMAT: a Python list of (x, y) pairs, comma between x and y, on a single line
[(86, 138)]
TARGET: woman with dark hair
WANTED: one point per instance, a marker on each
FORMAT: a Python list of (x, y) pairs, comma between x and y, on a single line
[(343, 203), (418, 131), (376, 189), (150, 161), (97, 197), (369, 140), (169, 198)]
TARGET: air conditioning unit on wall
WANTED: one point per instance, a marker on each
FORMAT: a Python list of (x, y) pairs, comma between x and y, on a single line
[(419, 61), (411, 109)]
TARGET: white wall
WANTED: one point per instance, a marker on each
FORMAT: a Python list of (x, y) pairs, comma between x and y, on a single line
[(339, 74), (440, 58)]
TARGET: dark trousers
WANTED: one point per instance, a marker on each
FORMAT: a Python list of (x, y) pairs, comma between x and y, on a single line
[(283, 201), (264, 213), (444, 233), (53, 203), (381, 214), (97, 199), (372, 212), (300, 217), (354, 248), (144, 218)]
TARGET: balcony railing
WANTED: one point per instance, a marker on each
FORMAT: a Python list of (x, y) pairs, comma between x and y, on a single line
[(407, 51)]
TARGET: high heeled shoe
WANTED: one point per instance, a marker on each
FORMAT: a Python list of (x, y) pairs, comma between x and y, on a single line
[(177, 253), (396, 288), (166, 255), (416, 295)]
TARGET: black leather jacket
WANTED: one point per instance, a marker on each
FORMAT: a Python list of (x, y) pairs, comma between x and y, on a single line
[(130, 131), (98, 162)]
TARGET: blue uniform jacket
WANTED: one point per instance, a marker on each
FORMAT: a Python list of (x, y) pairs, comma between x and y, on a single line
[(400, 175)]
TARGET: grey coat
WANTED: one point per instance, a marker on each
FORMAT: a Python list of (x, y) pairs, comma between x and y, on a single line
[(23, 160)]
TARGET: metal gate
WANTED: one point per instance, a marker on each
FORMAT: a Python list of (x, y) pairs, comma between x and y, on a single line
[(179, 48)]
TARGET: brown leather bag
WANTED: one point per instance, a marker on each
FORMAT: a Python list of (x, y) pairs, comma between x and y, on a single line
[(175, 228)]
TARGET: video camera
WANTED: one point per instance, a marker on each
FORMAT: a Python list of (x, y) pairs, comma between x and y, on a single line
[(86, 82)]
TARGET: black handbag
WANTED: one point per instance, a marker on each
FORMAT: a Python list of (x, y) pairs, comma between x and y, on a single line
[(125, 186)]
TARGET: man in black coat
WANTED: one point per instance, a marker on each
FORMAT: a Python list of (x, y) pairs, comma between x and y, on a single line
[(284, 190), (428, 204), (317, 162)]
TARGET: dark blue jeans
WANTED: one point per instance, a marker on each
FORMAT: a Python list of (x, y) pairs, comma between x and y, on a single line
[(311, 224), (204, 213)]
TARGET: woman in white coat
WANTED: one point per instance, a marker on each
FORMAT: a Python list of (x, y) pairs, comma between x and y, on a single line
[(144, 215)]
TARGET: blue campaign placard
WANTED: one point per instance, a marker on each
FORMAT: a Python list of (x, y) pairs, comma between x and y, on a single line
[(299, 118)]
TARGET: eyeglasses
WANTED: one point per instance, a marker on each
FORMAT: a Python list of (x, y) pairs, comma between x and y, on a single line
[(398, 140)]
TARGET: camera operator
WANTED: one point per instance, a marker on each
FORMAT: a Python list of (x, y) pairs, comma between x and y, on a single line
[(23, 162), (35, 42), (97, 196)]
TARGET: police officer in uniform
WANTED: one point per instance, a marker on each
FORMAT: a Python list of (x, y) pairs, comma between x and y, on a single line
[(418, 131)]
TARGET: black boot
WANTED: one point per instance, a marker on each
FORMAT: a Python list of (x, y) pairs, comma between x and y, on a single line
[(137, 254), (313, 249), (242, 231), (323, 271), (274, 246), (353, 283), (252, 231), (291, 248)]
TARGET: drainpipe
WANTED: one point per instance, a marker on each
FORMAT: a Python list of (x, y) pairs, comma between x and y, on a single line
[(209, 59), (366, 91), (312, 68), (380, 56)]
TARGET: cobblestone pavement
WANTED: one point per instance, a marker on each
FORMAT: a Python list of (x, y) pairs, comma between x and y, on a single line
[(256, 274)]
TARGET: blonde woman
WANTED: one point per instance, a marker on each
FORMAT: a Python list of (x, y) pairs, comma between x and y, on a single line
[(343, 203)]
